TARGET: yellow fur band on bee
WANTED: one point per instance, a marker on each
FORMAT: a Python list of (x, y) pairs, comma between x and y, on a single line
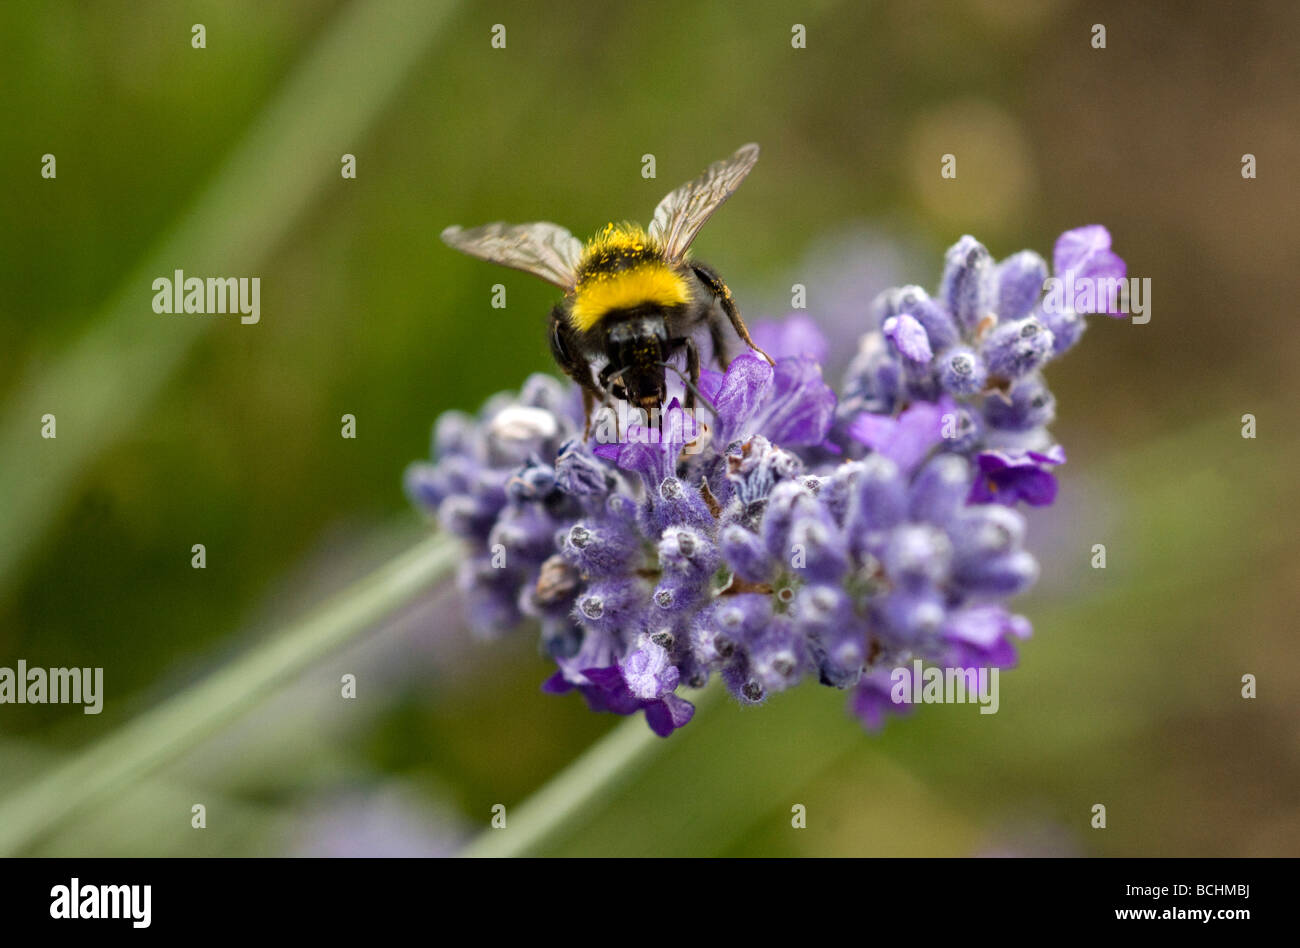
[(602, 293), (622, 269)]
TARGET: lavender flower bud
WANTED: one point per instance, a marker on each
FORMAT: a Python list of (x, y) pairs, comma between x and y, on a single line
[(879, 504), (962, 371), (1003, 575), (420, 482), (885, 304), (1020, 280), (908, 338), (874, 375), (561, 639), (755, 466), (778, 655), (818, 550), (455, 433), (986, 530), (519, 431), (676, 503), (967, 431), (551, 596), (547, 393), (524, 533), (1016, 349), (610, 605), (824, 615), (1031, 406), (688, 552), (909, 616), (490, 600), (532, 482), (836, 493), (747, 555), (740, 617), (648, 672), (466, 517), (744, 686), (939, 327), (787, 500), (1066, 326), (967, 286), (917, 555), (581, 473), (677, 594), (939, 489), (607, 548)]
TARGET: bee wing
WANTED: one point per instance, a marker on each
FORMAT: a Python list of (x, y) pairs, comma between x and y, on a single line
[(680, 215), (541, 248)]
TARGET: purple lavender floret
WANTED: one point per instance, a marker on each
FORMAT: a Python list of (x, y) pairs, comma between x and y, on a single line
[(781, 532)]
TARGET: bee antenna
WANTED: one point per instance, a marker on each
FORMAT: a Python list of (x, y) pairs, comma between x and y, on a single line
[(691, 387)]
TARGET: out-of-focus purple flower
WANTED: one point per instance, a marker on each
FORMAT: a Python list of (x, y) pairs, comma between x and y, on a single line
[(909, 337), (779, 532), (795, 336), (873, 697), (981, 636), (907, 439), (1084, 255), (1005, 478), (607, 689)]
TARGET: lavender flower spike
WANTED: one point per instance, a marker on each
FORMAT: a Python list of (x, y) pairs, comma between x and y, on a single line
[(785, 532)]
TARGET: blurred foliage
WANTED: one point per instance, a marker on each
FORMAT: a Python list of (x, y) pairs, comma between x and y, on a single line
[(1127, 695)]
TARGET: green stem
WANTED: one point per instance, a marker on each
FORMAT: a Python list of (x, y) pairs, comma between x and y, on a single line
[(602, 769), (173, 727)]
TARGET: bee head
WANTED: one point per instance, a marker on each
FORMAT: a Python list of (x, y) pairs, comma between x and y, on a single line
[(636, 347)]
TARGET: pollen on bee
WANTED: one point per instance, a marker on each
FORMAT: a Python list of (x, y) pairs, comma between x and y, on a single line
[(648, 283)]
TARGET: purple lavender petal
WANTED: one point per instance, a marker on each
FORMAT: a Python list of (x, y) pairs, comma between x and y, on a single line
[(1085, 255), (907, 439), (800, 407), (1020, 280), (746, 384), (1005, 478), (796, 335), (909, 337), (668, 714)]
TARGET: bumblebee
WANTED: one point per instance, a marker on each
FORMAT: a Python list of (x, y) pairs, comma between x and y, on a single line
[(633, 300)]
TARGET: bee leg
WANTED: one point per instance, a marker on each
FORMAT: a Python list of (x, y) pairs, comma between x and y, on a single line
[(564, 350), (691, 377), (692, 370), (588, 403), (606, 376), (723, 295)]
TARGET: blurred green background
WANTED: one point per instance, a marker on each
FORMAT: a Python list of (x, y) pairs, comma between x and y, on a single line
[(181, 430)]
